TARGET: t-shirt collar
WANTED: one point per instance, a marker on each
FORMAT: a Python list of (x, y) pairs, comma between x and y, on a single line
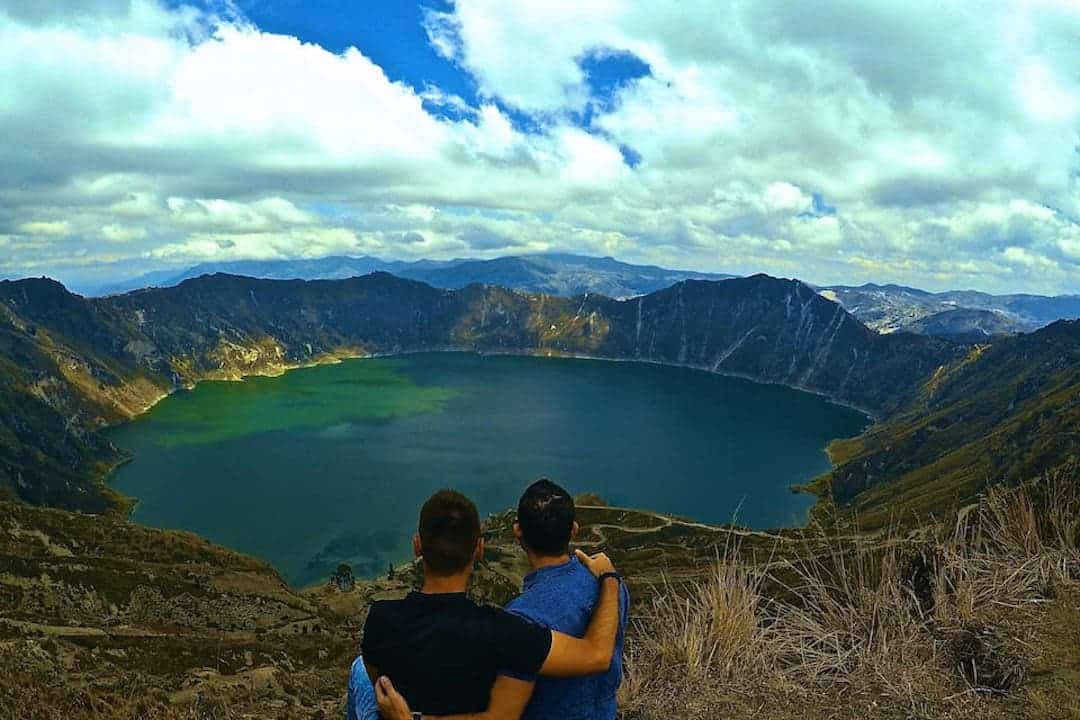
[(550, 571), (438, 597)]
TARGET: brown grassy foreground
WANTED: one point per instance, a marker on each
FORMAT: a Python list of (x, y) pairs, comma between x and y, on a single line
[(975, 618)]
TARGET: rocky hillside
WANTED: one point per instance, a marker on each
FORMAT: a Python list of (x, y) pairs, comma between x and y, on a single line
[(889, 308), (103, 618), (106, 619), (1004, 412), (966, 325), (71, 365)]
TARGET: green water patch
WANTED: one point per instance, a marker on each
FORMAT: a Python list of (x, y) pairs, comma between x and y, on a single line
[(328, 397), (330, 465)]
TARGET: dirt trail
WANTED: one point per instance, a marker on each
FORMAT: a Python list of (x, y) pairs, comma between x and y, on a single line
[(664, 522)]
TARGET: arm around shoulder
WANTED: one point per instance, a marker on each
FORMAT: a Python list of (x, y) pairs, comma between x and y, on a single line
[(570, 656)]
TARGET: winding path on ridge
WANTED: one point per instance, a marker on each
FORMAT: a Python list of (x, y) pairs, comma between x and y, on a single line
[(663, 522)]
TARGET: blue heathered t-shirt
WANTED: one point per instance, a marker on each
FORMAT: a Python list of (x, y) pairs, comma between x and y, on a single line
[(562, 597)]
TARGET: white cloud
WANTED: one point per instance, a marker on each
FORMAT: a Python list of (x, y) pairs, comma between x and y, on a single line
[(307, 243), (945, 137), (57, 228), (136, 205), (122, 234), (1044, 95), (785, 196), (217, 214)]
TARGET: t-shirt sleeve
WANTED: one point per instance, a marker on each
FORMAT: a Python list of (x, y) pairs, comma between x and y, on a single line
[(374, 627), (520, 645)]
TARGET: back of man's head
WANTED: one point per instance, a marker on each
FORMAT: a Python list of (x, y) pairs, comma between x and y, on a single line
[(449, 532), (546, 518)]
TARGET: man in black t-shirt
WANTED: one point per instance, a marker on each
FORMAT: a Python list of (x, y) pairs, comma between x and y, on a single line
[(445, 653)]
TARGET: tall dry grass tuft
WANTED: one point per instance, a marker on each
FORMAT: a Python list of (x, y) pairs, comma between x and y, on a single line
[(1015, 547), (912, 621), (849, 607), (711, 628), (698, 635)]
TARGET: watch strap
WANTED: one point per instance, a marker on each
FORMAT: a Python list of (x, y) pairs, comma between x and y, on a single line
[(611, 574)]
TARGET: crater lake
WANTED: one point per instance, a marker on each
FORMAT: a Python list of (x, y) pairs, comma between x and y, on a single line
[(330, 464)]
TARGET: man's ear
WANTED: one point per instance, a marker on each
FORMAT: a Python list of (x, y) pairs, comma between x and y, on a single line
[(517, 531), (574, 531), (417, 548), (478, 554)]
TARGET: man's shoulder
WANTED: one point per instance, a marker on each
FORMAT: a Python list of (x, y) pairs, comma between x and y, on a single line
[(496, 613), (384, 612), (575, 587), (382, 607)]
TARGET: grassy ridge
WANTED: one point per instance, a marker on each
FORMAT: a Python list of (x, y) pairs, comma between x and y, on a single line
[(1004, 413)]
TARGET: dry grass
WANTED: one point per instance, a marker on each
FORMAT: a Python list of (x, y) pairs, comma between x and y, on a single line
[(712, 631), (29, 701), (930, 624)]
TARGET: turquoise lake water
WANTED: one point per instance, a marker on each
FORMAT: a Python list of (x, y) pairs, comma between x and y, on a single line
[(330, 464)]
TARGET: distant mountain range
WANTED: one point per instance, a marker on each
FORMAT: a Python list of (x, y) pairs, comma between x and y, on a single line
[(553, 274), (962, 315), (888, 308)]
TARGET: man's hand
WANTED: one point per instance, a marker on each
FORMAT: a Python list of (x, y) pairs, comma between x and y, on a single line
[(392, 705), (597, 564)]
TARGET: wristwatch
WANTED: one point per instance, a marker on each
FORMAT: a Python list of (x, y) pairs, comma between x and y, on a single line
[(605, 576), (417, 715)]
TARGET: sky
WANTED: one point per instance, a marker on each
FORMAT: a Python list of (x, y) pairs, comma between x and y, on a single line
[(929, 143)]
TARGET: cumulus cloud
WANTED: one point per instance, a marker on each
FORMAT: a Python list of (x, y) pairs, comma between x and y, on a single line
[(56, 227), (122, 234), (944, 138)]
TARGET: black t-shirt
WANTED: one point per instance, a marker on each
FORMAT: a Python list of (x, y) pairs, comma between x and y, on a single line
[(442, 651)]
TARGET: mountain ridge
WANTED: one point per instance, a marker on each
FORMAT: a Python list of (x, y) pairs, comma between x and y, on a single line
[(552, 273), (885, 307), (78, 364), (1003, 412)]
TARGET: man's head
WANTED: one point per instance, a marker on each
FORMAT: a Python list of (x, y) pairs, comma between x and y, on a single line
[(545, 519), (449, 535)]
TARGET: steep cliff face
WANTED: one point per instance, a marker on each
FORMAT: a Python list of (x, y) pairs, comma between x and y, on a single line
[(1004, 412), (64, 372), (773, 330), (764, 328), (79, 363)]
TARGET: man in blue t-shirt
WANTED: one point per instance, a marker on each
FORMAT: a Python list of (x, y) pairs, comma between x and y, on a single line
[(560, 594)]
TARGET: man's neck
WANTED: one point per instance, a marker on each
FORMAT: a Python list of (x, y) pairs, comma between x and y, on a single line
[(436, 585), (542, 561)]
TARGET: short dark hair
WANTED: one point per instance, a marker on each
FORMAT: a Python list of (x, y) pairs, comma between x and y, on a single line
[(449, 531), (546, 516)]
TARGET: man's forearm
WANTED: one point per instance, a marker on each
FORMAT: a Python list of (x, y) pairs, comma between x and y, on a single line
[(570, 656), (509, 696), (604, 626)]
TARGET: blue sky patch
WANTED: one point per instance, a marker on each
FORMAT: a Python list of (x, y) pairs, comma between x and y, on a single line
[(608, 71), (391, 34), (818, 207)]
